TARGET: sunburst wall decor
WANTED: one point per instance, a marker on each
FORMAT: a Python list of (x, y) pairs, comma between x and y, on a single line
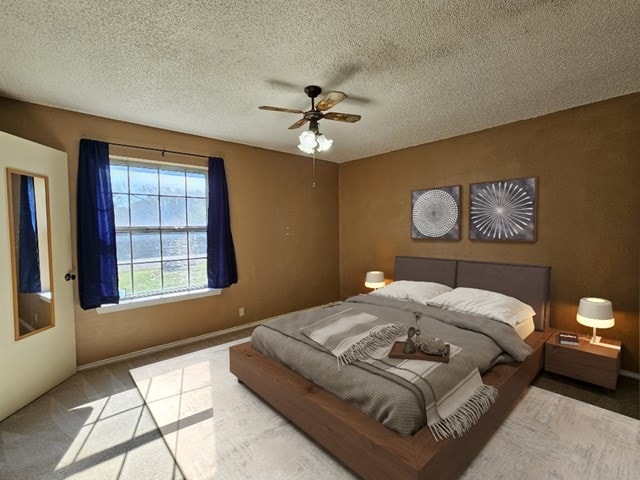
[(504, 210), (435, 213)]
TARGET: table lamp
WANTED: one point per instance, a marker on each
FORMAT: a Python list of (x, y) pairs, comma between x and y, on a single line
[(374, 280), (596, 313)]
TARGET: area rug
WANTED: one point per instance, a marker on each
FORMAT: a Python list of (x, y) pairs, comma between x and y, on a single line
[(218, 429)]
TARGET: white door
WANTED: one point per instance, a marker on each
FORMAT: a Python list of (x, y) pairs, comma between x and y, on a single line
[(34, 364)]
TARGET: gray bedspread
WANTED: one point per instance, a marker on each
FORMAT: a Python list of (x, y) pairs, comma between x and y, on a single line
[(395, 402)]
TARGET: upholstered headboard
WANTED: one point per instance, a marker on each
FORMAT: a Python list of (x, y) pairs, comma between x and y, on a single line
[(426, 270), (528, 283)]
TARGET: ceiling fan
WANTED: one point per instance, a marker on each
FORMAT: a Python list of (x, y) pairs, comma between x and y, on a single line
[(330, 100)]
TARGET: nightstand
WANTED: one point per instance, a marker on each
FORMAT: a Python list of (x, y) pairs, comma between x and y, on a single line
[(589, 363)]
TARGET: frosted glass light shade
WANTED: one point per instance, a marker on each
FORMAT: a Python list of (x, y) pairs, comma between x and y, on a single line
[(308, 139), (374, 279), (305, 149), (324, 143)]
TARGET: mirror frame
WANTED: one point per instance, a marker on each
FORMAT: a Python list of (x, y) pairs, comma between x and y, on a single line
[(14, 260)]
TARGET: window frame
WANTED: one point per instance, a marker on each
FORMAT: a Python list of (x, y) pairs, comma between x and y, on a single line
[(169, 294)]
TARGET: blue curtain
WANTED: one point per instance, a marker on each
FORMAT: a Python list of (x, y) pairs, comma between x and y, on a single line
[(29, 256), (221, 256), (97, 263)]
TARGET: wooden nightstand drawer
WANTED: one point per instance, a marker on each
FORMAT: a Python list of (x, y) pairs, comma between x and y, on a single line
[(590, 363)]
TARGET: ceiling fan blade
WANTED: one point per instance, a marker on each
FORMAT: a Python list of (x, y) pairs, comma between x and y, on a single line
[(278, 109), (342, 117), (298, 124), (330, 100)]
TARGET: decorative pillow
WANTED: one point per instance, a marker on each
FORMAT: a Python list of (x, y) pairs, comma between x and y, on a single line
[(419, 292), (485, 303)]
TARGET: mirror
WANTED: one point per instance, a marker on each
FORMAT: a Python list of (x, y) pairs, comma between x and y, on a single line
[(30, 252)]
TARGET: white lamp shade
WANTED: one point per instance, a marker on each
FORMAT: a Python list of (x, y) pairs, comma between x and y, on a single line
[(374, 279), (595, 312)]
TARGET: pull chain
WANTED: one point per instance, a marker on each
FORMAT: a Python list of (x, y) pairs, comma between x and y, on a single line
[(313, 167)]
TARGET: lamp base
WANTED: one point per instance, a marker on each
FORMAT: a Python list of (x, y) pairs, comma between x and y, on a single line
[(597, 341)]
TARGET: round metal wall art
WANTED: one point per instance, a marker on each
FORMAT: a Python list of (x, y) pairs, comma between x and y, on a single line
[(503, 210), (436, 213)]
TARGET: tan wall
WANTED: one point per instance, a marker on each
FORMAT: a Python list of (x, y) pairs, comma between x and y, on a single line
[(587, 161), (285, 231)]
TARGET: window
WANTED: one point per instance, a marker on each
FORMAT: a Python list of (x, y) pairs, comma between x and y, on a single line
[(161, 227)]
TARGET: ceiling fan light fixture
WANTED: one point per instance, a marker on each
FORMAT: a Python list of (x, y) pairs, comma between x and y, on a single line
[(312, 140)]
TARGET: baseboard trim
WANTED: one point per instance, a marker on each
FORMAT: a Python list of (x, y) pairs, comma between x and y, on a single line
[(628, 374), (186, 341), (165, 346)]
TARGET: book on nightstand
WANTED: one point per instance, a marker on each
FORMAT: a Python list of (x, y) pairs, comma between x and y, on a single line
[(568, 339)]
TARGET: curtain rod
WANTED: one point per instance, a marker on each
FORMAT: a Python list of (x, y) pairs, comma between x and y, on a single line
[(162, 150)]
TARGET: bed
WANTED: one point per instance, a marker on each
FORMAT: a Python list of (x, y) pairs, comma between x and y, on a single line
[(363, 444)]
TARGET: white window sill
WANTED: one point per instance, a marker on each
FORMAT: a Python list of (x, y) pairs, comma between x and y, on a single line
[(158, 300), (46, 296)]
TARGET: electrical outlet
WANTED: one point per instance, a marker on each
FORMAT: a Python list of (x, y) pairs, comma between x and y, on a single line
[(241, 312)]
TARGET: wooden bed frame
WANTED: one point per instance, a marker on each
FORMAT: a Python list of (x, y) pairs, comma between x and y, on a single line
[(374, 451)]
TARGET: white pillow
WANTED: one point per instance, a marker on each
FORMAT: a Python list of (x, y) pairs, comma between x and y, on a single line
[(419, 292), (485, 303)]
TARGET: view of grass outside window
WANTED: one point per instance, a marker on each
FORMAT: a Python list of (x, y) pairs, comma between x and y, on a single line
[(161, 227)]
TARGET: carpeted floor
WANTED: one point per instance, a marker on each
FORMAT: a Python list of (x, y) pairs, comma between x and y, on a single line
[(95, 425)]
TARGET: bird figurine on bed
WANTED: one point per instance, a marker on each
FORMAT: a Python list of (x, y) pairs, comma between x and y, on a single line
[(409, 346)]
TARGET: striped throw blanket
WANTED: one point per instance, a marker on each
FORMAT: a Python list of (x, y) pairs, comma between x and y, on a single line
[(455, 397), (351, 335)]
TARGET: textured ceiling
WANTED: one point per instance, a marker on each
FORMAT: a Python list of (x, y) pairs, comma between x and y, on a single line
[(416, 71)]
